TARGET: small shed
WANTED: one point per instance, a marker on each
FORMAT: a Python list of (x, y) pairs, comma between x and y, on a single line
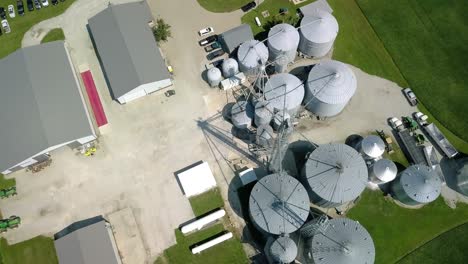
[(232, 38), (196, 179)]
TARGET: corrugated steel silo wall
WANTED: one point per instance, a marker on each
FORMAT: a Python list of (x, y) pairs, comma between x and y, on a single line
[(400, 194), (312, 49)]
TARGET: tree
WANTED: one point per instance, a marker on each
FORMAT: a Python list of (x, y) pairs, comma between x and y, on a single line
[(162, 30)]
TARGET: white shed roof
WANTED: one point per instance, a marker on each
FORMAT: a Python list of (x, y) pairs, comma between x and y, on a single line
[(196, 180)]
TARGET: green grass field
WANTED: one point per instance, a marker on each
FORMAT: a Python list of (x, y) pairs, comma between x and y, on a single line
[(230, 251), (6, 183), (427, 40), (21, 24), (39, 250), (53, 35), (396, 231), (222, 6), (450, 247)]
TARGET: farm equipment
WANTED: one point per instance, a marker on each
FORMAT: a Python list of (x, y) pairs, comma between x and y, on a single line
[(410, 123), (5, 193), (9, 223), (419, 139), (387, 140)]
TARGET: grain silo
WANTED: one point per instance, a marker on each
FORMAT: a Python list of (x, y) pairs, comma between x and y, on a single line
[(263, 113), (242, 114), (341, 241), (372, 147), (417, 184), (214, 76), (334, 174), (382, 171), (284, 91), (462, 177), (318, 31), (265, 136), (278, 204), (283, 40), (252, 56), (230, 68), (330, 85), (283, 250)]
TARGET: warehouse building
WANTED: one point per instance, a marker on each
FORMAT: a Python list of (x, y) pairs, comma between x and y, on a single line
[(128, 52), (232, 38), (89, 241), (41, 106)]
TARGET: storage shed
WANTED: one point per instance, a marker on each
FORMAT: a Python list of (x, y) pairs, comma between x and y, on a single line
[(232, 38)]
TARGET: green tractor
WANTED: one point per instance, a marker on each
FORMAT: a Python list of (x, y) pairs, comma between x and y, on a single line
[(410, 123), (5, 193), (10, 223), (420, 139)]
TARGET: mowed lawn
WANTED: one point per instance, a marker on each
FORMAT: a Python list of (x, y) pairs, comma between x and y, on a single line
[(397, 231), (39, 250), (222, 6), (448, 248), (427, 41), (21, 24), (53, 35)]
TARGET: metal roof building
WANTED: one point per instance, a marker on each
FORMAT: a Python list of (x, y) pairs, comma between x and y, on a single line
[(284, 91), (278, 204), (283, 250), (382, 171), (418, 184), (330, 85), (334, 174), (341, 241), (252, 56), (372, 147), (283, 40), (312, 7), (41, 105), (232, 38), (318, 31), (88, 245), (129, 55)]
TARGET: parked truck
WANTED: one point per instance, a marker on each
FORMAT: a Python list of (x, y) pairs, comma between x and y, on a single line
[(420, 118)]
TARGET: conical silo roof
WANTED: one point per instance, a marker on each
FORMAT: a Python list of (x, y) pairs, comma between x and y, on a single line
[(230, 67), (265, 136), (421, 183), (284, 91), (384, 170), (343, 241), (372, 146), (252, 54), (283, 37), (278, 204), (319, 27), (331, 82), (283, 250), (336, 173), (242, 114), (214, 76), (263, 113)]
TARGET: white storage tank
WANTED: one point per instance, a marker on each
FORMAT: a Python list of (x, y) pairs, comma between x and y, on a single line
[(230, 68), (242, 114), (382, 171), (372, 147), (252, 56), (284, 91), (330, 85), (318, 31), (263, 113), (283, 40), (214, 77)]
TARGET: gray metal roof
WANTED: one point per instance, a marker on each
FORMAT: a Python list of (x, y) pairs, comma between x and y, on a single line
[(336, 173), (279, 204), (284, 85), (40, 104), (232, 38), (319, 27), (283, 250), (89, 245), (421, 183), (126, 47), (385, 170), (343, 241), (331, 82), (317, 5), (373, 146)]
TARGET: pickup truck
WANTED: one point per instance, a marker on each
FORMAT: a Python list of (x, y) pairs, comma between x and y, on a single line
[(215, 54), (213, 46), (410, 96)]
